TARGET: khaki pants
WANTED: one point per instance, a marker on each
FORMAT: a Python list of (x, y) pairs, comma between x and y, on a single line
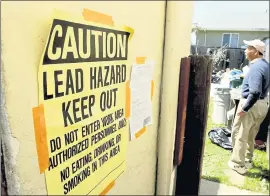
[(245, 129)]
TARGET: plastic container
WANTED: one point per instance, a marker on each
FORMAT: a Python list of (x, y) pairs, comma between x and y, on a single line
[(221, 104), (237, 83)]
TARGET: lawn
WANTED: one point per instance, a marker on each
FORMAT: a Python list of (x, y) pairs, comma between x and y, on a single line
[(215, 165)]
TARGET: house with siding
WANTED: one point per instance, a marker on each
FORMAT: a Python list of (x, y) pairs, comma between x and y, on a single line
[(216, 23), (232, 37)]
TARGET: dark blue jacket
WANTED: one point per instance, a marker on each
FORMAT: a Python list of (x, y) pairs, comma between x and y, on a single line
[(256, 83)]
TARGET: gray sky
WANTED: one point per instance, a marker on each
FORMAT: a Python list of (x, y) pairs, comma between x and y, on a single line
[(232, 14)]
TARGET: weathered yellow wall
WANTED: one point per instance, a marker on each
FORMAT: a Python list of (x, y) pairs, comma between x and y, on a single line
[(25, 27), (177, 45)]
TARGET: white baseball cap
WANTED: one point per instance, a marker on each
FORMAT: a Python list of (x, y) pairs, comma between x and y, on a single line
[(256, 43)]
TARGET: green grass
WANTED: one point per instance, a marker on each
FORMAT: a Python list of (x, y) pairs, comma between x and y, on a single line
[(215, 164)]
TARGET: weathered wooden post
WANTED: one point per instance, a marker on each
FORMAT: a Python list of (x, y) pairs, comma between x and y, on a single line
[(181, 110), (189, 171)]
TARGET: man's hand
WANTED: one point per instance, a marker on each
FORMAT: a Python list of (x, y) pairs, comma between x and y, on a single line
[(242, 113)]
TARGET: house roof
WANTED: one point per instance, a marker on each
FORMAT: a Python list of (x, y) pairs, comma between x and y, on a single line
[(230, 29)]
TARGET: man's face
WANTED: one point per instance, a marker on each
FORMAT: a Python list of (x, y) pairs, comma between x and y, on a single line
[(251, 53)]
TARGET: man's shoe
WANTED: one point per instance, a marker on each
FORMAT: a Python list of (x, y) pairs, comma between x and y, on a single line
[(248, 164), (239, 169)]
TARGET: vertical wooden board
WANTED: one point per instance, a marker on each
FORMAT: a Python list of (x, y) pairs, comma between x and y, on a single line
[(188, 173), (182, 109)]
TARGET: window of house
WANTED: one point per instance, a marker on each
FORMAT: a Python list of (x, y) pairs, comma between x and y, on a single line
[(231, 39)]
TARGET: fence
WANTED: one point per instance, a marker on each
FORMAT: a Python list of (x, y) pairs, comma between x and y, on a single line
[(235, 56)]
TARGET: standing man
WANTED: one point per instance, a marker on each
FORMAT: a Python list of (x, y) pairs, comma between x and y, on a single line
[(252, 108)]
